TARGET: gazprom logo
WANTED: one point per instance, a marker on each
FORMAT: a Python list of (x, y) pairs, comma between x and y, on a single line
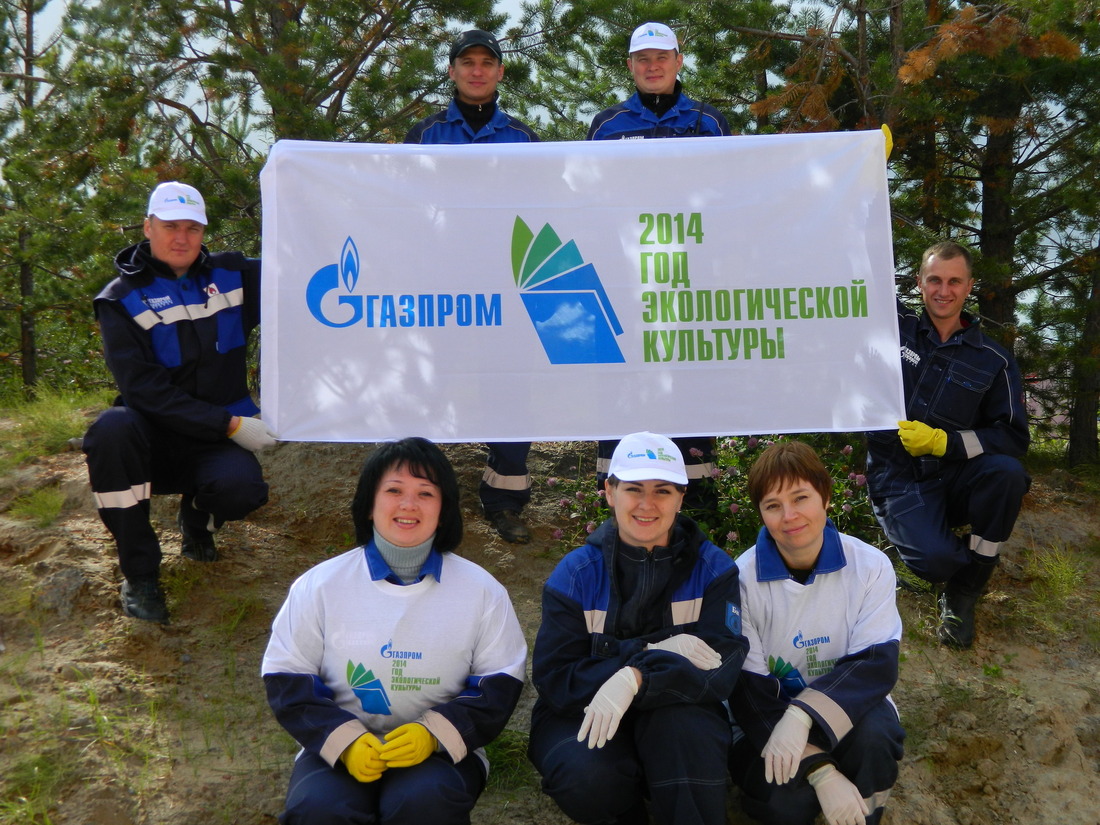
[(335, 299), (564, 298), (660, 455), (340, 278), (800, 641), (387, 652)]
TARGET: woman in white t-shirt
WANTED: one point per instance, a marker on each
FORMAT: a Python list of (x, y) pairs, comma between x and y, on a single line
[(394, 663), (818, 732)]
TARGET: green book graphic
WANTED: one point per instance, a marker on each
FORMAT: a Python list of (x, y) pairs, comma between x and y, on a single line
[(368, 689), (564, 298)]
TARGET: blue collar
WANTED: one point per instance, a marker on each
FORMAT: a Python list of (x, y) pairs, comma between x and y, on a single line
[(770, 566), (498, 121), (683, 104), (379, 570), (969, 334)]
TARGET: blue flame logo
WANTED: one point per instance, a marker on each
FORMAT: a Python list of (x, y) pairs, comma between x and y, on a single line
[(331, 279)]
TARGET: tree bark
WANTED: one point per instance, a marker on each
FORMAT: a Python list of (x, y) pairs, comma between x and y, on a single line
[(27, 346), (1083, 446), (996, 295)]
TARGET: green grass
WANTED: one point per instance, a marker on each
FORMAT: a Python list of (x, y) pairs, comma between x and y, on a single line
[(1089, 476), (509, 768), (1046, 455), (59, 735), (238, 608), (178, 581), (42, 507), (17, 592), (1057, 603), (31, 788), (1058, 577), (45, 425)]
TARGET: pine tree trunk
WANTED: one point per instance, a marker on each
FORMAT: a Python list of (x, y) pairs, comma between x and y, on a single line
[(27, 346), (1083, 447)]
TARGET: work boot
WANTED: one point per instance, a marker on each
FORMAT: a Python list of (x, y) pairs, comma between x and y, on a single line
[(510, 526), (958, 601), (196, 542), (143, 599)]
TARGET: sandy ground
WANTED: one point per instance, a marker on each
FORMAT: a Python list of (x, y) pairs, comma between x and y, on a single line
[(108, 721)]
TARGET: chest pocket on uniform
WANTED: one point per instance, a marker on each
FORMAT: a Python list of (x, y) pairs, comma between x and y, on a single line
[(961, 395), (166, 345), (230, 329)]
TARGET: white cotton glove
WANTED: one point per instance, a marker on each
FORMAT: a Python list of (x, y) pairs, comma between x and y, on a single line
[(253, 434), (783, 753), (840, 800), (692, 648), (602, 716)]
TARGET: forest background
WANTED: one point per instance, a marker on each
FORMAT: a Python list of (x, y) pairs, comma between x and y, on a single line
[(995, 112)]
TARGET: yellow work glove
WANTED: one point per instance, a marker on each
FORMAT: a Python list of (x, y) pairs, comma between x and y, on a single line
[(889, 140), (362, 759), (919, 439), (408, 745)]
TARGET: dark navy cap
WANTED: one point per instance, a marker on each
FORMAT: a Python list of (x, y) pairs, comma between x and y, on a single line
[(476, 37)]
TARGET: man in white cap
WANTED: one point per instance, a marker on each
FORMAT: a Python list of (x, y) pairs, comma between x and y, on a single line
[(175, 325), (660, 109), (473, 116)]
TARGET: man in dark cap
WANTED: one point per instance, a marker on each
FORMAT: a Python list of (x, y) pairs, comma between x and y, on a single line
[(476, 67)]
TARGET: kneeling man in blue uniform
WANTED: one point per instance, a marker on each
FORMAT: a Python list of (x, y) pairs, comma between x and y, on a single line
[(175, 325), (947, 486)]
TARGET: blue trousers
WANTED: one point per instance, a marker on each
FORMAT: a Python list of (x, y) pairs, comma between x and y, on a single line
[(505, 484), (918, 516), (129, 459), (675, 756), (435, 792), (868, 756)]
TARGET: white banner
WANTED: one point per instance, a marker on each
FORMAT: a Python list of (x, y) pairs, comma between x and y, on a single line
[(549, 291)]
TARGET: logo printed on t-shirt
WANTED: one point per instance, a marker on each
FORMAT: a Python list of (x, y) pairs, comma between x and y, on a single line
[(368, 689)]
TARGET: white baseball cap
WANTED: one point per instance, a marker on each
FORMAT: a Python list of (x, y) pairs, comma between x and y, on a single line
[(175, 201), (653, 36), (648, 457)]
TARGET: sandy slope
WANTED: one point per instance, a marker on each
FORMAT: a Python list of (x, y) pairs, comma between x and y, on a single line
[(149, 724)]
